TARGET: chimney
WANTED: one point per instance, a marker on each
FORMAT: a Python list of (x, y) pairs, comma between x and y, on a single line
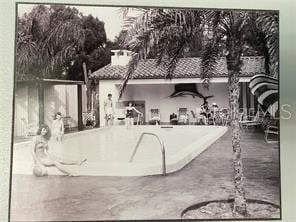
[(120, 57)]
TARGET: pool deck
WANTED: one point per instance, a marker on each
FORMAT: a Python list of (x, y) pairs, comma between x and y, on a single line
[(208, 177)]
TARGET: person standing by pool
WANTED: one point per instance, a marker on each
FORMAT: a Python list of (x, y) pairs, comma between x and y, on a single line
[(129, 118), (215, 113), (205, 112), (109, 110), (42, 158), (58, 127)]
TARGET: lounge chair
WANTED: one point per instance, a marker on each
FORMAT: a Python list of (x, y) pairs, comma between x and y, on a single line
[(138, 120), (271, 129), (197, 117), (256, 120), (225, 116), (67, 124), (154, 116), (183, 117)]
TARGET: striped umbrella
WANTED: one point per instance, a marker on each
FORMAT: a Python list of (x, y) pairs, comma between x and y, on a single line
[(266, 89)]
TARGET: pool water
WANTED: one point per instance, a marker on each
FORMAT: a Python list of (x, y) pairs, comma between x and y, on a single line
[(108, 150)]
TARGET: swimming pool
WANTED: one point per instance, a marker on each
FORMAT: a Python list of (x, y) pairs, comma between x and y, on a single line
[(109, 150)]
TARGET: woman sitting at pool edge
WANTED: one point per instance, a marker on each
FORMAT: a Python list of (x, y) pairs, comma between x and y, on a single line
[(42, 158), (129, 120)]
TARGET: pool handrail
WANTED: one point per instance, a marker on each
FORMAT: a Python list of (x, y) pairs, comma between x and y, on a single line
[(162, 150)]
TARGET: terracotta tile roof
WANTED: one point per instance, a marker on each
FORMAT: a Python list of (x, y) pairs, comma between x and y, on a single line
[(186, 68)]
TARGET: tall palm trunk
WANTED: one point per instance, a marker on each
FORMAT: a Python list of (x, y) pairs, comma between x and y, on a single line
[(233, 64), (88, 88)]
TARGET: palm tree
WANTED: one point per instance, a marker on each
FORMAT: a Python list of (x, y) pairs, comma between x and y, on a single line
[(45, 43), (170, 32)]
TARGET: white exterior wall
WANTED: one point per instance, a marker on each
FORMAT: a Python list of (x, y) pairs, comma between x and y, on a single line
[(157, 96), (104, 88)]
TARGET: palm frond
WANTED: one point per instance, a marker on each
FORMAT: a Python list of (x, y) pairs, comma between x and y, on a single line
[(132, 66), (26, 51), (269, 23), (168, 31), (40, 14), (209, 62), (61, 44)]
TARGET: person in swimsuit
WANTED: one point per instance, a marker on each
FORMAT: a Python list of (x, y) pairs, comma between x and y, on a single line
[(205, 112), (109, 110), (43, 158), (129, 118), (58, 127), (215, 114)]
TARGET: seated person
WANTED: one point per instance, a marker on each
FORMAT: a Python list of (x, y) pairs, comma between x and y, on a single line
[(214, 108), (183, 118), (173, 119), (215, 114), (43, 158)]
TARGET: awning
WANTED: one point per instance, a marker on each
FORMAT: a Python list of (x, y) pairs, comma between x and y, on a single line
[(266, 89)]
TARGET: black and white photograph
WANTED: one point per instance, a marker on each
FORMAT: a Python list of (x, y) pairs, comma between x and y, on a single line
[(145, 113)]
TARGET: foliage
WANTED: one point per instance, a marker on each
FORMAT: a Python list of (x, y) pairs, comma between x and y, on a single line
[(268, 22), (52, 42), (95, 51)]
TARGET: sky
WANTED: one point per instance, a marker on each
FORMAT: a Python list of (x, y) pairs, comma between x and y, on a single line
[(109, 15)]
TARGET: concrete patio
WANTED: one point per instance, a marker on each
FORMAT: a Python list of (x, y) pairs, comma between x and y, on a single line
[(208, 177)]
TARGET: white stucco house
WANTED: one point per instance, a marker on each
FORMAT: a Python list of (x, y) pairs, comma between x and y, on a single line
[(149, 90)]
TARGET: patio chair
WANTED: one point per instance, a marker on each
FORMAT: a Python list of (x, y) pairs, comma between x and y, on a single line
[(194, 116), (67, 124), (30, 129), (88, 119), (256, 120), (225, 116), (138, 120), (271, 129), (154, 117), (183, 117), (197, 117)]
